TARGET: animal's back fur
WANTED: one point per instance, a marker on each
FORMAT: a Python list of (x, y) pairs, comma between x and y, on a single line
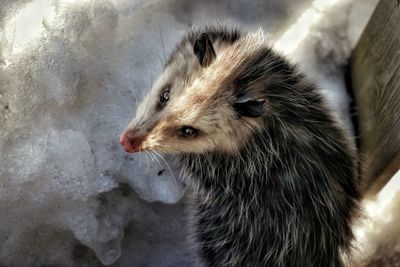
[(289, 196)]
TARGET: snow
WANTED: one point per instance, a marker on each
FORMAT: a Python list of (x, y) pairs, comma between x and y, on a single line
[(71, 75), (377, 234), (321, 41)]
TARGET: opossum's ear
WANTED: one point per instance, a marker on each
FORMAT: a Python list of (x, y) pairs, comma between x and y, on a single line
[(204, 50), (248, 106)]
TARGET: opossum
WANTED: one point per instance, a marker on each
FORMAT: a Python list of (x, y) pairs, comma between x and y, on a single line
[(274, 174)]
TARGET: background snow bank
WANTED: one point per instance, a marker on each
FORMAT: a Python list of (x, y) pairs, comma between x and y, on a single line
[(71, 74)]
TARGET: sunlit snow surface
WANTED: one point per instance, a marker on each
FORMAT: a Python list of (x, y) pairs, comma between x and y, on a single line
[(71, 74)]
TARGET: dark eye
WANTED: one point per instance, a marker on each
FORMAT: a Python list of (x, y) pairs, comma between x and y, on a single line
[(164, 97), (188, 131)]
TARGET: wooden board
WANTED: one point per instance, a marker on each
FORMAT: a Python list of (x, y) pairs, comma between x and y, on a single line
[(375, 74)]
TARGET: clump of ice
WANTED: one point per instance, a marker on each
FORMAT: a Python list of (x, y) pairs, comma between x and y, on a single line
[(66, 93), (71, 75)]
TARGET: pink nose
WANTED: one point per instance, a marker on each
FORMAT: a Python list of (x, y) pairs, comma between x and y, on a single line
[(130, 142)]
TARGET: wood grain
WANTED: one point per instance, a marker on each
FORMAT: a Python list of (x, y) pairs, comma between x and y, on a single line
[(375, 71)]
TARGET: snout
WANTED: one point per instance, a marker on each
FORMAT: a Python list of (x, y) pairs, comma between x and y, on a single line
[(131, 141)]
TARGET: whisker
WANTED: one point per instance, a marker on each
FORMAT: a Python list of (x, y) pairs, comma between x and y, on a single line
[(154, 48), (162, 44), (148, 163), (148, 99), (154, 157), (166, 163)]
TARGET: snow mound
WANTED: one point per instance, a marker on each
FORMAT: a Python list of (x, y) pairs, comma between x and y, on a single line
[(65, 96)]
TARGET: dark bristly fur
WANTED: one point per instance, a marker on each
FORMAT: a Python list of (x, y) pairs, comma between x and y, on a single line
[(279, 186), (281, 203), (289, 198)]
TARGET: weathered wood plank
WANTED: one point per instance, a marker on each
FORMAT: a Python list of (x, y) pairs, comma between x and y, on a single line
[(375, 71)]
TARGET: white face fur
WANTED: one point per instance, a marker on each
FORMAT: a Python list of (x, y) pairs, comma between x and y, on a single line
[(190, 107)]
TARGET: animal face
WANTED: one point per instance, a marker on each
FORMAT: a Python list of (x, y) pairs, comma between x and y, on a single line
[(196, 105)]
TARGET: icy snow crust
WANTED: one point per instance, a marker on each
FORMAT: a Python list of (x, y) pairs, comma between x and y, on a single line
[(71, 75)]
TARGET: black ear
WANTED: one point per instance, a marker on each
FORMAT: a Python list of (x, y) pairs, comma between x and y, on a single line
[(249, 107), (204, 50)]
